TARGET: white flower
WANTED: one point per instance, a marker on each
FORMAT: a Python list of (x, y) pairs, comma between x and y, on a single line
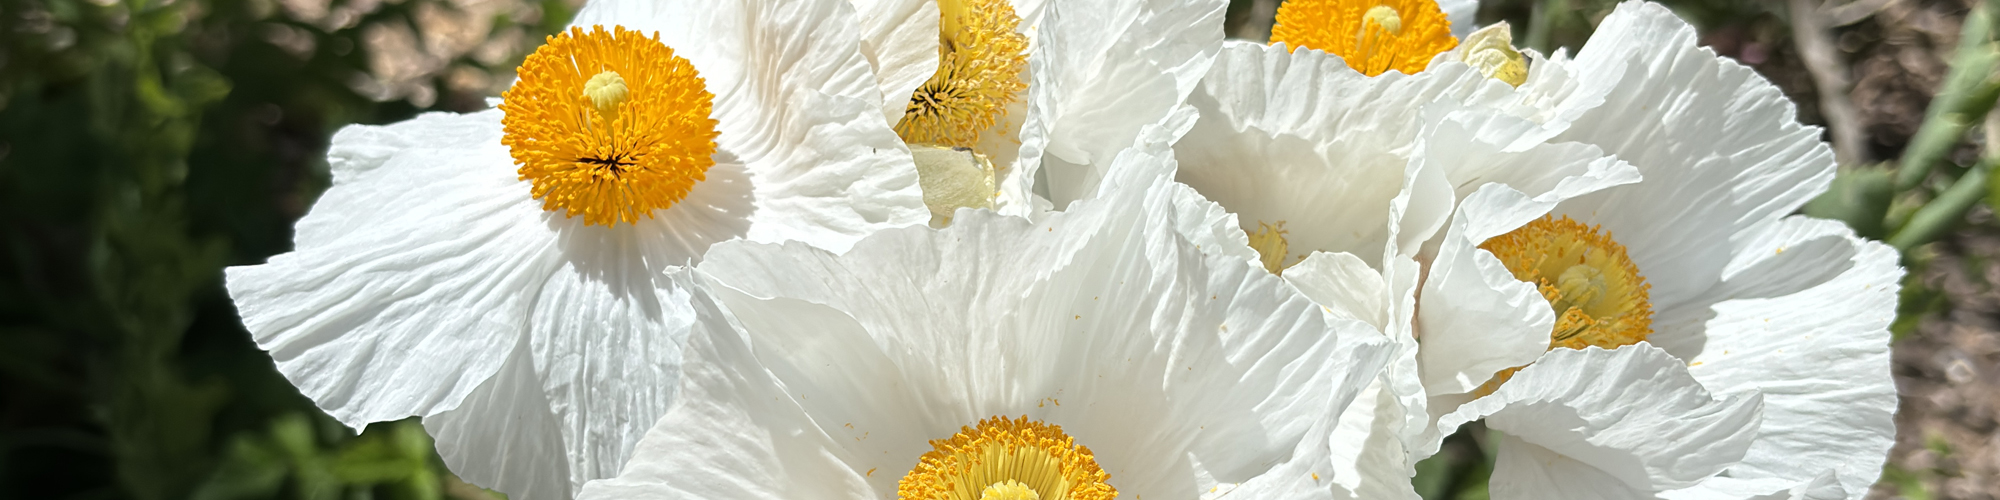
[(1178, 372), (1771, 371), (1315, 161), (1042, 89), (517, 277), (1745, 301)]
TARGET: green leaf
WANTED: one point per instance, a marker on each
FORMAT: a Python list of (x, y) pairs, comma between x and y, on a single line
[(1859, 197)]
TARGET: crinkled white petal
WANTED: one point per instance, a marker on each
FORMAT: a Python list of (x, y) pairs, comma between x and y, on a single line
[(736, 431), (1177, 367), (505, 435), (1620, 423), (798, 107), (383, 313), (1343, 286), (1803, 319), (900, 40), (1370, 460), (1475, 318), (1395, 426), (1100, 71)]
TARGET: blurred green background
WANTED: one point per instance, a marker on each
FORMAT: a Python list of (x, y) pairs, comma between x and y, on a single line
[(147, 144)]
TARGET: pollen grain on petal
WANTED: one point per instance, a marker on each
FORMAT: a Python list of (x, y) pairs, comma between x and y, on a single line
[(1373, 36), (609, 125)]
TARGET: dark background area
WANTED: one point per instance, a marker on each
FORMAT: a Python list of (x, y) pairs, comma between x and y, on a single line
[(147, 144)]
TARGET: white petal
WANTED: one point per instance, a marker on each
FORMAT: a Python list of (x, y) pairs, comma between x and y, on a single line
[(606, 339), (1824, 487), (988, 317), (1301, 138), (798, 106), (1803, 319), (1344, 286), (1719, 146), (1102, 70), (1524, 470), (1632, 414), (1417, 211), (733, 434), (1369, 459), (504, 436), (411, 280), (1460, 13), (900, 39), (1475, 318), (1276, 142), (361, 155)]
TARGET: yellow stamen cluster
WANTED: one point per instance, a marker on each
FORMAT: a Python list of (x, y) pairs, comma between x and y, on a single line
[(1007, 459), (980, 61), (1373, 36), (609, 125), (1599, 297), (1269, 242)]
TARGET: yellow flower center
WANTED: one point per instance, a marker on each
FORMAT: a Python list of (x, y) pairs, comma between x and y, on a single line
[(608, 125), (1373, 36), (980, 60), (1597, 293), (1269, 242), (1007, 459)]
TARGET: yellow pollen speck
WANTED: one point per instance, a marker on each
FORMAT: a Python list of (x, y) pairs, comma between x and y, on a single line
[(1599, 297), (1007, 459), (1373, 36), (980, 61), (1269, 242), (608, 125)]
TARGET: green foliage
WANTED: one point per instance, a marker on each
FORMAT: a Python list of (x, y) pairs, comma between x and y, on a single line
[(397, 458), (144, 146), (1859, 197)]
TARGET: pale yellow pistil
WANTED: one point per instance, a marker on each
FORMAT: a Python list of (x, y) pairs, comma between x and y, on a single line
[(1382, 16), (606, 91), (1597, 294), (1009, 490)]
